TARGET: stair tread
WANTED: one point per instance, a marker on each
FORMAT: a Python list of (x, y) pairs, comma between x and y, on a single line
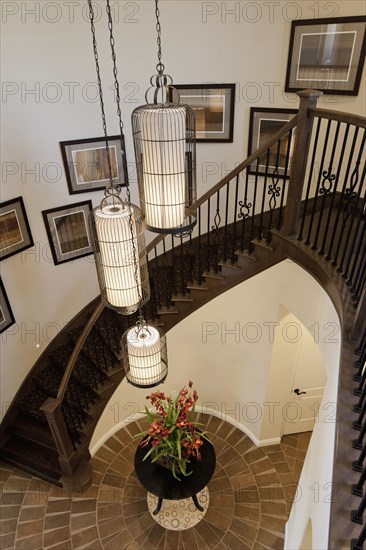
[(30, 428), (29, 454)]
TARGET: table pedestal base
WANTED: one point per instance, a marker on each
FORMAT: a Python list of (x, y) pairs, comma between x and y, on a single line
[(179, 515)]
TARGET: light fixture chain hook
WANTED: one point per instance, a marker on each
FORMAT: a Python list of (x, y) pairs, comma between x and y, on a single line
[(159, 67), (100, 88)]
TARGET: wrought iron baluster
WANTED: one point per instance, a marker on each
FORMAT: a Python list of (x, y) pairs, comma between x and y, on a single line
[(274, 190), (226, 219), (360, 248), (199, 247), (216, 230), (326, 187), (330, 209), (308, 188), (340, 206), (357, 424), (357, 515), (357, 465), (183, 290), (254, 203), (157, 279), (208, 236), (321, 167), (357, 544), (233, 257), (261, 220), (357, 223), (354, 197), (357, 488), (358, 442), (361, 282), (244, 213)]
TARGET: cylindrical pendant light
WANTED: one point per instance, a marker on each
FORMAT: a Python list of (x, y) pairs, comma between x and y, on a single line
[(164, 139), (164, 134), (145, 355), (120, 255)]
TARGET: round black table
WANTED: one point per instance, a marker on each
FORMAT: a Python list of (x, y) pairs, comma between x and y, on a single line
[(160, 481)]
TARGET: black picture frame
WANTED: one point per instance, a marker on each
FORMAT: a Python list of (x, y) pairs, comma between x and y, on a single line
[(68, 231), (86, 167), (6, 314), (327, 55), (264, 123), (15, 233), (214, 105)]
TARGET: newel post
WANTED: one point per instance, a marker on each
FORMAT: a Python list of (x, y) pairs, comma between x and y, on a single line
[(65, 448), (308, 100)]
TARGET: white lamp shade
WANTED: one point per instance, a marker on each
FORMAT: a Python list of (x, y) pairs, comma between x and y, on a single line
[(145, 355), (117, 255), (163, 145)]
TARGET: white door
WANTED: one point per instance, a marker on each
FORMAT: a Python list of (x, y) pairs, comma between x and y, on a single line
[(307, 389)]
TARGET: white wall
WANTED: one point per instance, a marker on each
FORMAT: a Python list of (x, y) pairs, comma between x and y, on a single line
[(46, 47)]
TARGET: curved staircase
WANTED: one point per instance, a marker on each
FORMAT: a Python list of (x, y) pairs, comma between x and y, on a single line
[(246, 223)]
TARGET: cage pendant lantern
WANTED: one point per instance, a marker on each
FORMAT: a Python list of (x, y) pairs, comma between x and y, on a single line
[(118, 234), (164, 133), (145, 355), (117, 228)]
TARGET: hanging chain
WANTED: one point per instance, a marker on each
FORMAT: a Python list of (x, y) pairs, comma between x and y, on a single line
[(119, 113), (118, 96), (159, 67), (111, 188)]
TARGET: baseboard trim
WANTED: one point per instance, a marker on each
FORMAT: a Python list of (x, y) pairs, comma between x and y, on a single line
[(257, 442)]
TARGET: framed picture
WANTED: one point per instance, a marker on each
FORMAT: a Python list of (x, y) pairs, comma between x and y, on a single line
[(214, 107), (6, 315), (327, 55), (264, 123), (68, 231), (86, 164), (15, 233)]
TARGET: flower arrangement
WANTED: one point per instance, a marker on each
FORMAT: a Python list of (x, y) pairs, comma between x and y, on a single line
[(173, 434)]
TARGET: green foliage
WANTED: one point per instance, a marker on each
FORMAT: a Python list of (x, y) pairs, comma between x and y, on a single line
[(173, 434)]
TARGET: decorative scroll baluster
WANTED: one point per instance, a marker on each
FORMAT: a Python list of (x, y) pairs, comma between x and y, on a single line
[(233, 257), (321, 169), (208, 236), (261, 220), (244, 212), (326, 187), (252, 234), (311, 172)]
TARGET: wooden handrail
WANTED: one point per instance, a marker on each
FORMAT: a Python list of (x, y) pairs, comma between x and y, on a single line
[(348, 118), (249, 160), (237, 170), (77, 349)]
